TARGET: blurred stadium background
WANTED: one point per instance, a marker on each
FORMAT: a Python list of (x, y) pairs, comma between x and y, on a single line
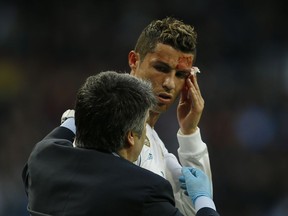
[(48, 48)]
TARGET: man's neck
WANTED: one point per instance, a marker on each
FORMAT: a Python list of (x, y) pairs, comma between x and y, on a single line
[(124, 154)]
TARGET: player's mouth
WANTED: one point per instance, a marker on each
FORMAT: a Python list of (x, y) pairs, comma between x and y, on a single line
[(164, 98)]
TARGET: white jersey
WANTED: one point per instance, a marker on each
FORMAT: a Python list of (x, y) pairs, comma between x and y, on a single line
[(192, 152)]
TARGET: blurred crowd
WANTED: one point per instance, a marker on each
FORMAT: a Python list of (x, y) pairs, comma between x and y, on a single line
[(48, 48)]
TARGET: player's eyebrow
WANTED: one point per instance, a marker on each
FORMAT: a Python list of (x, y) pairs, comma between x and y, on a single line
[(186, 72)]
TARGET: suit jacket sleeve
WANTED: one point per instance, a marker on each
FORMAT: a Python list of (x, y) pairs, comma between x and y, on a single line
[(160, 201), (57, 133), (61, 133), (207, 212)]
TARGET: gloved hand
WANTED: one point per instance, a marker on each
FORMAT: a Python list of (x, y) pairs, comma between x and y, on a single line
[(67, 114), (195, 183)]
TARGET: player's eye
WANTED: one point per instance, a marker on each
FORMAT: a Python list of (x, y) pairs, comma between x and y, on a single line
[(162, 68), (182, 74)]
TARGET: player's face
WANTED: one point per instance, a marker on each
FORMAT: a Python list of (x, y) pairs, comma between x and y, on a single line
[(167, 69)]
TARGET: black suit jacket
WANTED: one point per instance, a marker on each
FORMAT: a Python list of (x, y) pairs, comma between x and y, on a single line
[(62, 180)]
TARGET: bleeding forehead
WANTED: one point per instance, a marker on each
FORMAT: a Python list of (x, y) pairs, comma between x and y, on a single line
[(175, 58), (184, 62)]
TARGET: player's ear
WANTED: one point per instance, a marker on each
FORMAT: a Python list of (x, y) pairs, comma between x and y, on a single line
[(133, 59)]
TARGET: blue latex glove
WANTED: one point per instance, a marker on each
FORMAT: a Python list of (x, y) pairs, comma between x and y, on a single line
[(195, 183)]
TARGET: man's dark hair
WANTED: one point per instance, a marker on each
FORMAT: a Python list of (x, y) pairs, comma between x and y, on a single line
[(108, 106)]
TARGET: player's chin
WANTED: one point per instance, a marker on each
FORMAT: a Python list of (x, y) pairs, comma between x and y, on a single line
[(161, 107)]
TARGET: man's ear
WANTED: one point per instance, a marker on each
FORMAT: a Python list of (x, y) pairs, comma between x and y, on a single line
[(133, 59), (130, 139)]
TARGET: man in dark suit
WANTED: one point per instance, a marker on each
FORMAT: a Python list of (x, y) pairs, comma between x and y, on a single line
[(97, 177)]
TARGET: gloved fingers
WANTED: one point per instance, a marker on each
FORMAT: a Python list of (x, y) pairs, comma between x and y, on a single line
[(197, 172), (193, 171), (183, 186), (186, 172), (182, 179)]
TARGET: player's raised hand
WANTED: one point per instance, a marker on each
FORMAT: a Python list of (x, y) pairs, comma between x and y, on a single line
[(191, 104)]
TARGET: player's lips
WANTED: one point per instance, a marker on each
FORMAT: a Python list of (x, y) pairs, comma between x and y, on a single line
[(164, 98)]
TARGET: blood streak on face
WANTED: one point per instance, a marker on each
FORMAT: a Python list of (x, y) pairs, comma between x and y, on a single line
[(184, 62)]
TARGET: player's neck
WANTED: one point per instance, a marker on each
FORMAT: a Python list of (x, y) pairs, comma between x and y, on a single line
[(153, 118)]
